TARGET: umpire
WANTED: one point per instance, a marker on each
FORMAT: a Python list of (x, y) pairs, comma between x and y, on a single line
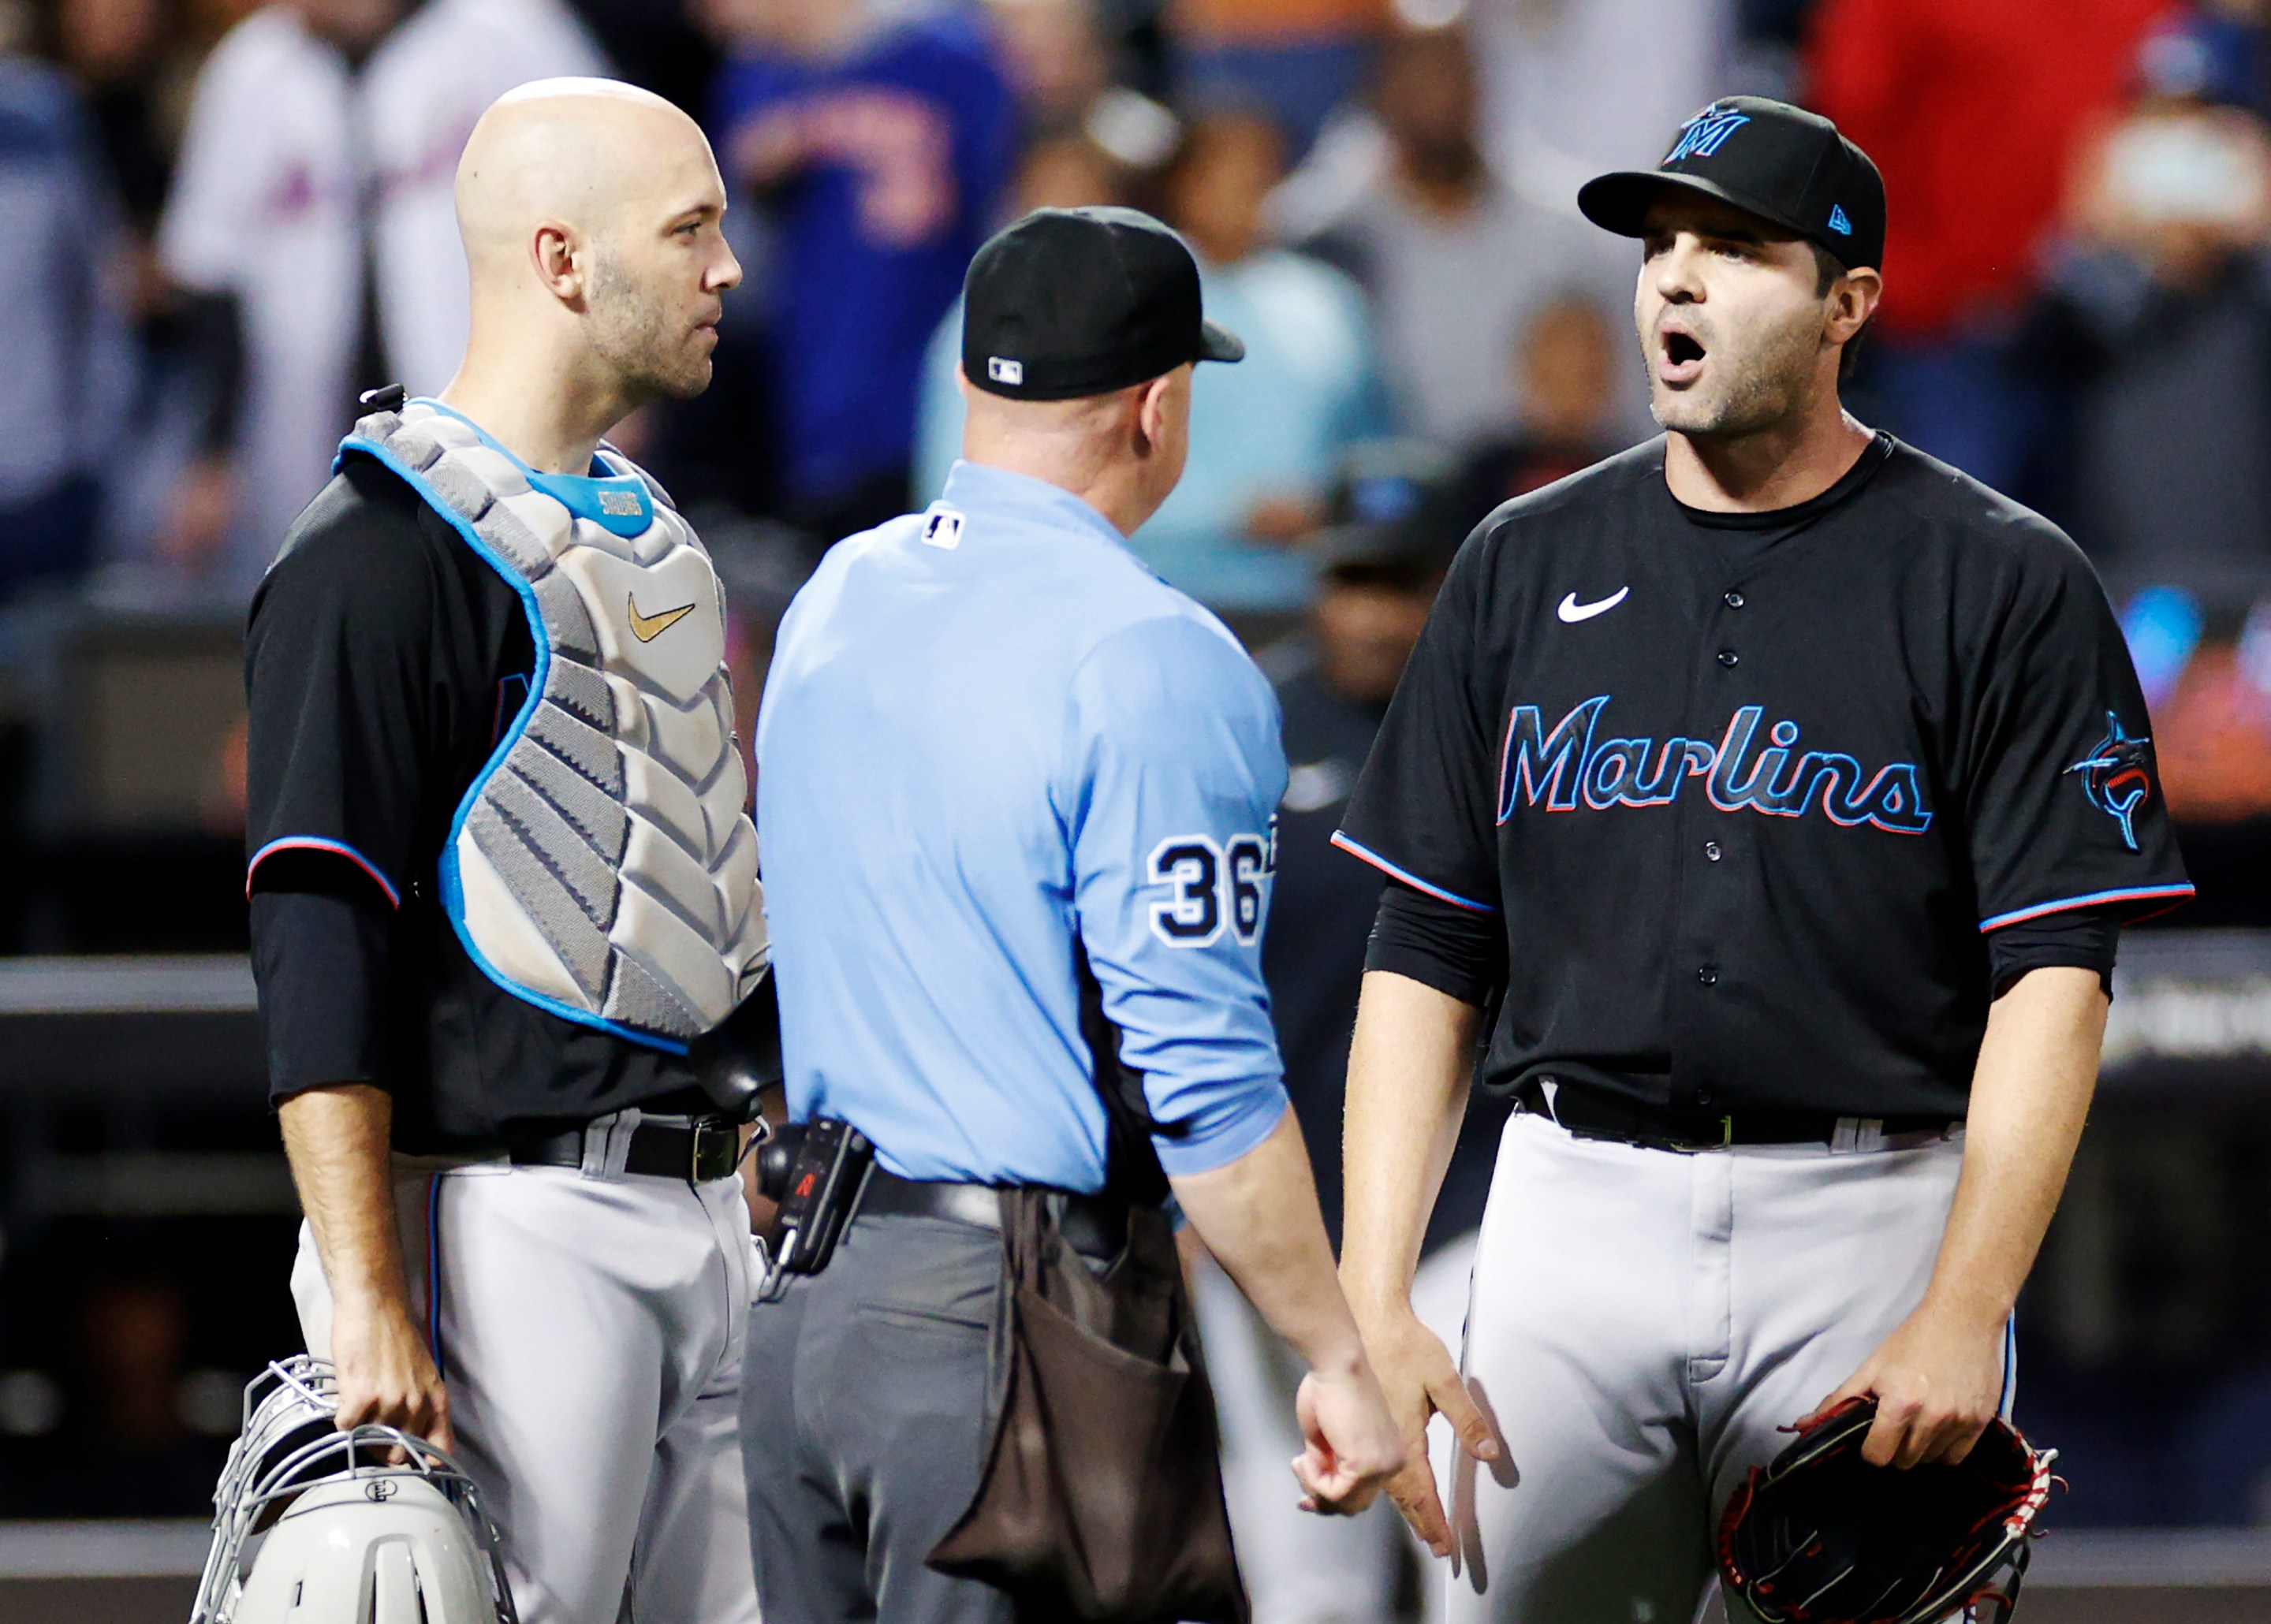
[(1015, 800)]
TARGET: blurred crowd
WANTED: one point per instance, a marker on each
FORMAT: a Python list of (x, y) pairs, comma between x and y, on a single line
[(232, 218)]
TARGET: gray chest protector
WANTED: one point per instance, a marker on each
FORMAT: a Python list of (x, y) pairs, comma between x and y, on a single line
[(602, 865)]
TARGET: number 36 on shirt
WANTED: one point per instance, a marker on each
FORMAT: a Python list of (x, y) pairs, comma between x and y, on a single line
[(1212, 884)]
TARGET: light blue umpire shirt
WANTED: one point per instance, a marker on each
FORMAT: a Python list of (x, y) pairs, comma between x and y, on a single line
[(999, 759)]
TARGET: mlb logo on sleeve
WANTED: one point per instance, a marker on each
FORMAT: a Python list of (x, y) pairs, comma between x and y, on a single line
[(942, 526)]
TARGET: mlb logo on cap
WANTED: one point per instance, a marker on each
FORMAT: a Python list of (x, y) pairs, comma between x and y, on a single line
[(1002, 369)]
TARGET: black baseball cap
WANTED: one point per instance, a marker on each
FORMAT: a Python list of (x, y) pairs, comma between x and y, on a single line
[(1067, 302), (1779, 162)]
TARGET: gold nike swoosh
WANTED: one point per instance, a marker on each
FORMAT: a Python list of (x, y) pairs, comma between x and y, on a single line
[(646, 628)]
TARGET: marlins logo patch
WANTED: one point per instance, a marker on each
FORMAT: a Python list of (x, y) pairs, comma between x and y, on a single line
[(2116, 776), (1702, 136)]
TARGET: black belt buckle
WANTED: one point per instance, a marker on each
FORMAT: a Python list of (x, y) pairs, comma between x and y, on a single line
[(714, 1151)]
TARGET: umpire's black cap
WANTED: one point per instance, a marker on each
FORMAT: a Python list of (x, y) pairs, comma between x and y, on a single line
[(1067, 302), (1779, 162)]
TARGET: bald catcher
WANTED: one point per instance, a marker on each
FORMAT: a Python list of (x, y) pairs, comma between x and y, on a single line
[(503, 886)]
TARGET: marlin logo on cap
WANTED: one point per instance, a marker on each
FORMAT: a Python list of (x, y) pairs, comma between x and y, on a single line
[(1002, 369), (1707, 132)]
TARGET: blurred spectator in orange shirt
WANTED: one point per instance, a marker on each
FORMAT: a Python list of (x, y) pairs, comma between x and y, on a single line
[(1972, 109)]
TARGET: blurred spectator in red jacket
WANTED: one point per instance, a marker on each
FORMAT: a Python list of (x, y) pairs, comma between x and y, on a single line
[(1972, 109)]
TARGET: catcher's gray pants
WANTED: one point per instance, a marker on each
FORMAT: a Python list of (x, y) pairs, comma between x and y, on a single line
[(1642, 1323), (592, 1326)]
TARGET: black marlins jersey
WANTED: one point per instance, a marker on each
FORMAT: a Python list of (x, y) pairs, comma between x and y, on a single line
[(1750, 794), (383, 663)]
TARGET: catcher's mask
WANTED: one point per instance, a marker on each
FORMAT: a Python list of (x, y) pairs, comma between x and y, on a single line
[(1821, 1537), (312, 1525)]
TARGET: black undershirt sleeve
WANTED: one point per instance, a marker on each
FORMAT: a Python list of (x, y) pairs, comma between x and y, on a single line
[(321, 951), (2087, 938), (1461, 953), (344, 657)]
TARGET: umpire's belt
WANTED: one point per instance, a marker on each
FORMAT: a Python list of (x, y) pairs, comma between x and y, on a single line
[(1094, 1226), (1591, 1112), (696, 1151)]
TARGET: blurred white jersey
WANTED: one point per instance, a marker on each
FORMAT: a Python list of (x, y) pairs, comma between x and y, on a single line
[(284, 136)]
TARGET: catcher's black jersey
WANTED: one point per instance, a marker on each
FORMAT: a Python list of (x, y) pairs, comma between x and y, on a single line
[(1750, 791), (383, 661)]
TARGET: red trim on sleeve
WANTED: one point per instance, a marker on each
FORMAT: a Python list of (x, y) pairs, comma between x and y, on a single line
[(2173, 895)]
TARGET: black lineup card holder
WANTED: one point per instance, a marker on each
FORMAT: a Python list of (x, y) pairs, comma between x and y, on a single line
[(823, 1187)]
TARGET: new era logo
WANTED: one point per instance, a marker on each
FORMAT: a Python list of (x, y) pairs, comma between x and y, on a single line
[(1838, 223), (1002, 369)]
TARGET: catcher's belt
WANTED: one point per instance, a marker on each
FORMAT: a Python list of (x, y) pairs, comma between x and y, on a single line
[(602, 865), (1821, 1537)]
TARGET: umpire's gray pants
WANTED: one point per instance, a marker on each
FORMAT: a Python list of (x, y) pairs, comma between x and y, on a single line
[(864, 1421)]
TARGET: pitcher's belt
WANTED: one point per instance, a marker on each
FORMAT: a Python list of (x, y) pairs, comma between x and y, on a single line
[(697, 1152), (1593, 1113), (1094, 1226)]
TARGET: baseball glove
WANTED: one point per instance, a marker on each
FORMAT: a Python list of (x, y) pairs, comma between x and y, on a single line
[(1822, 1537)]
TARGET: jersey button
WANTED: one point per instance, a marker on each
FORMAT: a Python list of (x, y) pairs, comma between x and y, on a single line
[(1728, 657), (1704, 1094), (1734, 600), (1708, 974), (1711, 850)]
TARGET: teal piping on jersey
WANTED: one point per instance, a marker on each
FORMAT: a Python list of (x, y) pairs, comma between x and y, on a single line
[(316, 842), (2173, 895), (454, 895), (1411, 879), (577, 493)]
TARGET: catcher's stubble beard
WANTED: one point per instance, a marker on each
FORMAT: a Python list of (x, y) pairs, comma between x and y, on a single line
[(652, 348)]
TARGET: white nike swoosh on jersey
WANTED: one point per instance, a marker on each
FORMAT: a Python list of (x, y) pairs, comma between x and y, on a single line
[(1573, 611)]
